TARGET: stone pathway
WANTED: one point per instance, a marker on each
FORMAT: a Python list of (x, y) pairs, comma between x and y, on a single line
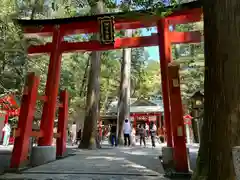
[(5, 155), (105, 164)]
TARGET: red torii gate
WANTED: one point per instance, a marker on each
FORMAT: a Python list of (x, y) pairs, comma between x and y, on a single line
[(58, 28)]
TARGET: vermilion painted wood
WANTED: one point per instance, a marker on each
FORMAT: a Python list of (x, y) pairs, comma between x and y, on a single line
[(42, 98), (37, 134), (187, 12), (135, 122), (166, 57), (185, 37), (190, 17), (39, 49), (51, 91), (134, 42), (178, 128), (20, 150), (120, 43), (59, 105), (84, 28), (145, 21), (62, 124)]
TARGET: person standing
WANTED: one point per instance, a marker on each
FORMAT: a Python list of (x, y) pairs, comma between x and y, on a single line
[(126, 132), (142, 133), (113, 135), (79, 136), (7, 132), (74, 133), (133, 137), (147, 129), (69, 135), (153, 129)]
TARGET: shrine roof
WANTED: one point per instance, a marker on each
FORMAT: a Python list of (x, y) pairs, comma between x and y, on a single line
[(118, 16), (139, 106), (198, 92)]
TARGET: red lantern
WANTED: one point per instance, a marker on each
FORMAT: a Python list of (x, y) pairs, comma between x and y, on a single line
[(187, 119)]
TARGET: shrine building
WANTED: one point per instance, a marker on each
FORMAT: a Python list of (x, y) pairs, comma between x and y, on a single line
[(141, 111)]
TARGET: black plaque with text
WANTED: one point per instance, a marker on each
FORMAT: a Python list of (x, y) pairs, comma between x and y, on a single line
[(106, 24)]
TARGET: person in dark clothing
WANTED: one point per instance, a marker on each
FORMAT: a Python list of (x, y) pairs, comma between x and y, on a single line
[(142, 133), (79, 136), (113, 132), (153, 130)]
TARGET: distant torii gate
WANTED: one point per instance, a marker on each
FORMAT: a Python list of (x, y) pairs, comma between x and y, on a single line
[(105, 24)]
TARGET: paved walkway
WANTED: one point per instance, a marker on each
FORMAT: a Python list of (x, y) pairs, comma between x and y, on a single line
[(104, 164), (5, 155)]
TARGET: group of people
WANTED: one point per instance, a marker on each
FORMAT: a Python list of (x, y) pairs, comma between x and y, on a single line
[(75, 138), (129, 133), (127, 130), (74, 135), (145, 131), (142, 131)]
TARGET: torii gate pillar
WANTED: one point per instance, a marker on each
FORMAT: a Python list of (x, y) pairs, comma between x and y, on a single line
[(177, 122), (165, 58), (51, 92)]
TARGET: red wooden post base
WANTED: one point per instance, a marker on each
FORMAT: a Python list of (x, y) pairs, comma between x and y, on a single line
[(21, 145), (62, 124), (177, 122)]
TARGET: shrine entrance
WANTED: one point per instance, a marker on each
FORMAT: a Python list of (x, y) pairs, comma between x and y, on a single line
[(105, 24)]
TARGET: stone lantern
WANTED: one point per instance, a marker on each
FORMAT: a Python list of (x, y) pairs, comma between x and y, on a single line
[(197, 100), (197, 103)]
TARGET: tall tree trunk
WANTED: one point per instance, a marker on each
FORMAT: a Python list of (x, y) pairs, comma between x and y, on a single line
[(93, 91), (221, 126), (177, 51), (33, 13), (84, 80), (124, 94), (106, 99), (192, 49)]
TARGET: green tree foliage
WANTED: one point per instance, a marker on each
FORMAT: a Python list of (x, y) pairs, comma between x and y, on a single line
[(12, 52), (191, 59), (148, 84)]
